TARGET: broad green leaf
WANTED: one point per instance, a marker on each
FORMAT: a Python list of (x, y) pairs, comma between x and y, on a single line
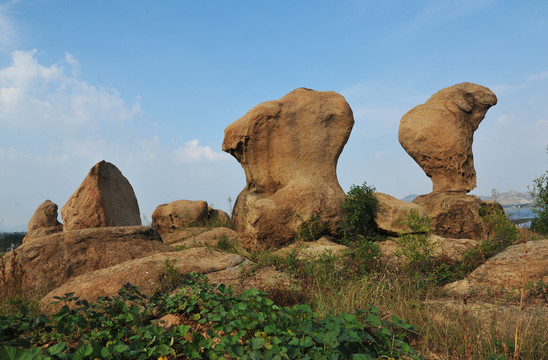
[(257, 343), (82, 352)]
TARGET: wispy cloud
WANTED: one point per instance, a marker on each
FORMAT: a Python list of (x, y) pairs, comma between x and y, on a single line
[(440, 11), (193, 152), (74, 64), (44, 97), (8, 33), (529, 81), (538, 76)]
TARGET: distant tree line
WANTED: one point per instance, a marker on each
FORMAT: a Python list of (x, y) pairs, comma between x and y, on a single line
[(9, 241)]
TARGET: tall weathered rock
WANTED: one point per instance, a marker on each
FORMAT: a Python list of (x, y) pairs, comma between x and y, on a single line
[(105, 198), (289, 150), (43, 222), (438, 134)]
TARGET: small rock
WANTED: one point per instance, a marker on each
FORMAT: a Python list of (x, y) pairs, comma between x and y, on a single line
[(179, 214), (43, 222)]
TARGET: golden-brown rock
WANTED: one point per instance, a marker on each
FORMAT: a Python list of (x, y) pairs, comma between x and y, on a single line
[(512, 269), (289, 150), (145, 272), (438, 135), (43, 222), (178, 215), (391, 218), (105, 198), (454, 214), (49, 261)]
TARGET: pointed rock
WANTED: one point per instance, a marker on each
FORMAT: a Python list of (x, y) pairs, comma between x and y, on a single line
[(105, 198)]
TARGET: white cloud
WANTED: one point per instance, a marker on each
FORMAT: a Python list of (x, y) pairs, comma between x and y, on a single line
[(193, 152), (74, 64), (44, 97)]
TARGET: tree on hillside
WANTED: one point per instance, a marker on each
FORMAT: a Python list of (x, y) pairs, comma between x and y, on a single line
[(539, 192)]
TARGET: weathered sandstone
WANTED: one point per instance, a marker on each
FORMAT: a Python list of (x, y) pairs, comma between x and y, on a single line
[(47, 262), (289, 150), (507, 271), (454, 214), (438, 134), (43, 222), (178, 215), (392, 214), (105, 198)]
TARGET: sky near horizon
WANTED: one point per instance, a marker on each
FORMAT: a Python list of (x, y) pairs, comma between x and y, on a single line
[(150, 86)]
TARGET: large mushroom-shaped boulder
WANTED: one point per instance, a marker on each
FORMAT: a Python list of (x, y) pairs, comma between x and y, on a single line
[(438, 134), (105, 198), (43, 222), (289, 150)]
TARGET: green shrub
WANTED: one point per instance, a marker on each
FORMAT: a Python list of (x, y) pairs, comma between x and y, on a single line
[(505, 233), (539, 192), (416, 246), (314, 228), (363, 257), (360, 210), (217, 325)]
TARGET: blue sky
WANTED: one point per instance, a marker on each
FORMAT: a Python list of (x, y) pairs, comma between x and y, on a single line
[(151, 85)]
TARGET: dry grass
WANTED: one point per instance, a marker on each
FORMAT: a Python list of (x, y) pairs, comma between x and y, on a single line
[(511, 326)]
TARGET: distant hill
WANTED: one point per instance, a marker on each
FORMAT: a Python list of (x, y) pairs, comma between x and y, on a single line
[(510, 198), (410, 197), (13, 229)]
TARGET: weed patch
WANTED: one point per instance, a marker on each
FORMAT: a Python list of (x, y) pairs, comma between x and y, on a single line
[(213, 324)]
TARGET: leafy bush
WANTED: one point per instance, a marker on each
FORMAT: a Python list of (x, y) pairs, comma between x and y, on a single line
[(360, 210), (416, 246), (313, 229), (214, 325), (363, 257), (505, 232), (539, 192)]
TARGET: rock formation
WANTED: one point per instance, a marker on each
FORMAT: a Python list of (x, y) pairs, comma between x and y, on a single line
[(49, 261), (454, 214), (289, 150), (438, 135), (220, 268), (207, 238), (178, 215), (392, 214), (43, 222), (105, 198), (507, 271), (145, 272)]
